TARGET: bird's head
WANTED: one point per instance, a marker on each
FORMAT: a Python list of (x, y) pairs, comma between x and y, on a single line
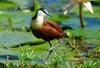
[(42, 12), (38, 19)]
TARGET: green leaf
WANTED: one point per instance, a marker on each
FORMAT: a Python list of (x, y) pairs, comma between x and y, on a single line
[(4, 51), (11, 39), (7, 5)]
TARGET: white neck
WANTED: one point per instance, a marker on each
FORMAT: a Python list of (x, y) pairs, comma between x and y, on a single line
[(38, 22)]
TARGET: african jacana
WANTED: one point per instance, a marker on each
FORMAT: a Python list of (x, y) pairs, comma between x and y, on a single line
[(45, 29)]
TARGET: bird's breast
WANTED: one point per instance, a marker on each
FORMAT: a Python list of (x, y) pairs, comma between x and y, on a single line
[(37, 23)]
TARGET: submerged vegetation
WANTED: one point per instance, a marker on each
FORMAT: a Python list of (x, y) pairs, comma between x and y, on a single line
[(20, 49)]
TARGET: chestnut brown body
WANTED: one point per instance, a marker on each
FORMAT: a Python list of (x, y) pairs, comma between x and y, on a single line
[(48, 31)]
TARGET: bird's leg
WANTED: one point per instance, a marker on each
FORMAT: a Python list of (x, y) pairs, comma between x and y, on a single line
[(50, 43), (52, 48), (50, 51)]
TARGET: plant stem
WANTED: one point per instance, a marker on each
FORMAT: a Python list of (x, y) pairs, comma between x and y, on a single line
[(81, 15), (10, 24)]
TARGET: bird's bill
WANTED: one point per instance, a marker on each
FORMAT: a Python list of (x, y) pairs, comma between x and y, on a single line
[(49, 15)]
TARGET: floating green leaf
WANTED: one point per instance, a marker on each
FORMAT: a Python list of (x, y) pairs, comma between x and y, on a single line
[(11, 39), (6, 4)]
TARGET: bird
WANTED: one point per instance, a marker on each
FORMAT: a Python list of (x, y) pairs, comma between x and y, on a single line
[(44, 28)]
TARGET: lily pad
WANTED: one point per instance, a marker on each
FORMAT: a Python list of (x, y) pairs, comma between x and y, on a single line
[(7, 4), (11, 39)]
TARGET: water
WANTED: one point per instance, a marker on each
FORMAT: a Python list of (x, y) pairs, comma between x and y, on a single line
[(89, 22)]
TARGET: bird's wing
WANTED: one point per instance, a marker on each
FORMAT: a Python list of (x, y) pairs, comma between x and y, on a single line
[(54, 25)]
